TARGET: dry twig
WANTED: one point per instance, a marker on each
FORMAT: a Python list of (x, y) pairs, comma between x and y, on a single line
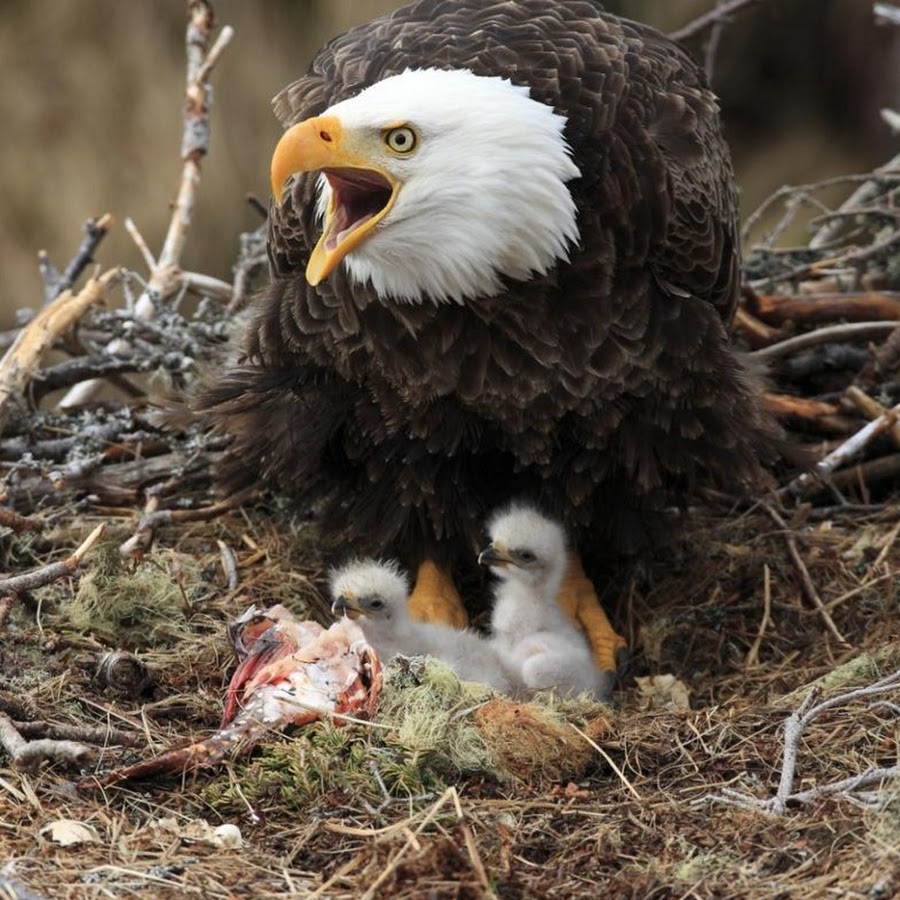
[(752, 657), (19, 584), (865, 192), (152, 517), (54, 282), (809, 588), (721, 12), (794, 727)]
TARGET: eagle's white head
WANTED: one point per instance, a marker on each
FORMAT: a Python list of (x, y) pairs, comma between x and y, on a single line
[(436, 184), (367, 587), (526, 547)]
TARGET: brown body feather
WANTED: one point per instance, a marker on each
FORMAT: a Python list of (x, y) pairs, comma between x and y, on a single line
[(597, 388)]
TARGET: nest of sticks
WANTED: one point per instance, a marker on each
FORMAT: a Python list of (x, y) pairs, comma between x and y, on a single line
[(752, 751)]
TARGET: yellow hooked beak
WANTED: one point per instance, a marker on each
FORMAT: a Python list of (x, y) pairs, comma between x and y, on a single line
[(361, 194)]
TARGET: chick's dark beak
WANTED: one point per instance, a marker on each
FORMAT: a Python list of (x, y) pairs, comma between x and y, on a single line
[(494, 556), (343, 606)]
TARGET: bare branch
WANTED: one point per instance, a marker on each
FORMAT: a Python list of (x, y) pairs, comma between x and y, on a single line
[(847, 451), (794, 728), (859, 331), (165, 277), (54, 283), (722, 11)]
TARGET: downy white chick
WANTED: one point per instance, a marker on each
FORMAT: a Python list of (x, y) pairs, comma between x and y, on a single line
[(377, 592), (537, 642)]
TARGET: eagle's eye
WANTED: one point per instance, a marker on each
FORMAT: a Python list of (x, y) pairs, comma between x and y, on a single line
[(401, 140)]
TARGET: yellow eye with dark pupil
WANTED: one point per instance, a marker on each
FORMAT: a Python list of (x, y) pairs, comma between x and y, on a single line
[(401, 140)]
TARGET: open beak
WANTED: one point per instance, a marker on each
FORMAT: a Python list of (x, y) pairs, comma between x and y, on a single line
[(495, 556), (361, 195), (344, 606)]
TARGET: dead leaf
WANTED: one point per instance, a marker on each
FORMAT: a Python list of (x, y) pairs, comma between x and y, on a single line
[(70, 833), (663, 692)]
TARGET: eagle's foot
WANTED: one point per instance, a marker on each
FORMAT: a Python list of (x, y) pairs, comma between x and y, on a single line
[(580, 602), (435, 598)]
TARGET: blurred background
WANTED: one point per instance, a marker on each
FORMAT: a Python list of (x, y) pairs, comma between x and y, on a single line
[(92, 96)]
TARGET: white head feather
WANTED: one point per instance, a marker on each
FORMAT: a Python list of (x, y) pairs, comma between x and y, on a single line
[(522, 528), (483, 193), (368, 579)]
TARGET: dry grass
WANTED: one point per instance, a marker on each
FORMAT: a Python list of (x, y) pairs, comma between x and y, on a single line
[(450, 791)]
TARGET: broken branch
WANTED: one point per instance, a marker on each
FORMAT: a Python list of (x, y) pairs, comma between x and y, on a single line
[(21, 361), (54, 283), (20, 584)]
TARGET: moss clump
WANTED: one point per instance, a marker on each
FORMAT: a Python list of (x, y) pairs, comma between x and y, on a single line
[(133, 609), (430, 708)]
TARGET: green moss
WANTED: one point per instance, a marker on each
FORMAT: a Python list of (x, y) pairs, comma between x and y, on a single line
[(143, 607)]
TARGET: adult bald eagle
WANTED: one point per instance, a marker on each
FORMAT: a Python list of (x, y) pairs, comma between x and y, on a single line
[(504, 254)]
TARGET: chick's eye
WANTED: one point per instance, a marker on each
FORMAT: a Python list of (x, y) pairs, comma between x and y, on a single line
[(401, 140), (527, 556), (375, 603)]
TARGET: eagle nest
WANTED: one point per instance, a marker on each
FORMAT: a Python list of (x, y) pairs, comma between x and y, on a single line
[(752, 748)]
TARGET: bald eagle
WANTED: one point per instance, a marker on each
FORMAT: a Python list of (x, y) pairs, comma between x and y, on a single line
[(504, 256)]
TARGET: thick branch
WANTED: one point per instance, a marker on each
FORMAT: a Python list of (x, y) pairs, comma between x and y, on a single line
[(849, 450), (18, 524), (21, 361), (27, 756), (823, 417), (851, 306)]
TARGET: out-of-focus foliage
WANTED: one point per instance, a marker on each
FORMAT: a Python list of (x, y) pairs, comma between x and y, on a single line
[(92, 121)]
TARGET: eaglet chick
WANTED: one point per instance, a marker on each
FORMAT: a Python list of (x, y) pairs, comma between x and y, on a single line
[(377, 592), (539, 645)]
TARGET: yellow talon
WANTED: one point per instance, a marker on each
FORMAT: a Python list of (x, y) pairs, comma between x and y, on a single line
[(579, 601), (435, 598)]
